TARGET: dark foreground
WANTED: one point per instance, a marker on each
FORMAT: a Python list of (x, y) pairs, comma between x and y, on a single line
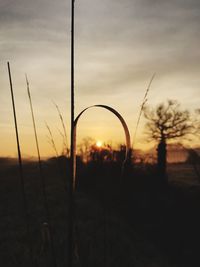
[(134, 221)]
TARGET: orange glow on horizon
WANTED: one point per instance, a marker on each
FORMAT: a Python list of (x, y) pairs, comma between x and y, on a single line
[(99, 144)]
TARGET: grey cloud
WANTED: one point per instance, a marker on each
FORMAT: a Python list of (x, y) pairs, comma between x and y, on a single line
[(125, 37)]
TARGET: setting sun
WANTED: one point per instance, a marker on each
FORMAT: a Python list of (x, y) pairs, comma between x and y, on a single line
[(99, 144)]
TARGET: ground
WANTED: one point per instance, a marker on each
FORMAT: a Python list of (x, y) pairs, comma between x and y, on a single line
[(134, 222)]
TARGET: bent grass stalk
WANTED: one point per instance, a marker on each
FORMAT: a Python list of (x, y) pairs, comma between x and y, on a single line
[(126, 131)]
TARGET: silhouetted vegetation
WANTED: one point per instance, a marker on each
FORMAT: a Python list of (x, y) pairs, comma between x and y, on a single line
[(121, 221), (166, 122)]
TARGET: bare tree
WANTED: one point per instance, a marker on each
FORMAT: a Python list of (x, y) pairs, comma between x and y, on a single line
[(166, 122), (85, 148), (194, 159), (196, 123)]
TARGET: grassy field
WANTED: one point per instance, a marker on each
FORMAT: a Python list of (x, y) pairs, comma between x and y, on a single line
[(130, 223), (182, 173)]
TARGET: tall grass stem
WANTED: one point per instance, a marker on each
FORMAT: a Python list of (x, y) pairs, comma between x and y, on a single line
[(64, 134), (51, 140), (42, 178), (24, 198), (70, 187), (144, 101)]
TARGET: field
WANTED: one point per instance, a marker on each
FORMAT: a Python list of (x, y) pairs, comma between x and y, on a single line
[(135, 222)]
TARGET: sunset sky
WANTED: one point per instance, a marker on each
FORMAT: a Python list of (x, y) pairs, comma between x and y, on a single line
[(119, 45)]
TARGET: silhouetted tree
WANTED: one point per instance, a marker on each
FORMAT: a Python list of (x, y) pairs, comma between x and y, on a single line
[(166, 122), (85, 147), (89, 151), (103, 154), (196, 123), (194, 159), (119, 154)]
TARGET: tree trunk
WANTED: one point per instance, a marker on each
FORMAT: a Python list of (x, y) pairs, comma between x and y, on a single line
[(162, 160)]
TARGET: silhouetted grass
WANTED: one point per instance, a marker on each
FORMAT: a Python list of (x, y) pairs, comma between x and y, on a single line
[(64, 133), (144, 101), (141, 223)]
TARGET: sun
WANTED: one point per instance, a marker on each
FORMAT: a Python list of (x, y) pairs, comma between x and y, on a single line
[(99, 144)]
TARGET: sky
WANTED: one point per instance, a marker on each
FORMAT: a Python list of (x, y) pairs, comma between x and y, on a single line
[(118, 47)]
